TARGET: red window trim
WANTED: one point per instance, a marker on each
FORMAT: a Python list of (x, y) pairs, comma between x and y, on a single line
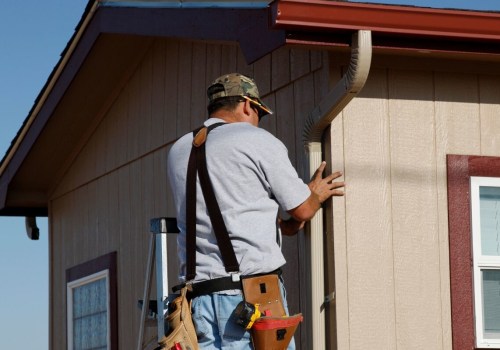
[(88, 268), (459, 170)]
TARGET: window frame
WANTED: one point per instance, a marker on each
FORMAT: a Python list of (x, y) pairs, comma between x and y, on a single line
[(90, 271), (460, 168), (481, 262)]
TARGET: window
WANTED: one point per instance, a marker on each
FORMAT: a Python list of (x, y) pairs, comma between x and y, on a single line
[(91, 305), (485, 208), (473, 197)]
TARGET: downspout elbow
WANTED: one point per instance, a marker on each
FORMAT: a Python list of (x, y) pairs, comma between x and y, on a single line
[(344, 91)]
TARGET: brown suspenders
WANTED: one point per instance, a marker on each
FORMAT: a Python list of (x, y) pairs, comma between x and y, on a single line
[(198, 164)]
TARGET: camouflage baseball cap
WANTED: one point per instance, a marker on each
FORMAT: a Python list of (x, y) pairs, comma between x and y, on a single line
[(236, 84)]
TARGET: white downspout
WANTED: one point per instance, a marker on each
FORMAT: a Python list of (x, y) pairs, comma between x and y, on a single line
[(319, 119)]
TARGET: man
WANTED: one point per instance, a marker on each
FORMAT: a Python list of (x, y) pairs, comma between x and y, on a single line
[(252, 177)]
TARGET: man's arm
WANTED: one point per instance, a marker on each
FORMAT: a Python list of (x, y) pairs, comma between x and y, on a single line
[(321, 190)]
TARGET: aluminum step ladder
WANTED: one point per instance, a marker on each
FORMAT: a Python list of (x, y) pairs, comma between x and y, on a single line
[(157, 255)]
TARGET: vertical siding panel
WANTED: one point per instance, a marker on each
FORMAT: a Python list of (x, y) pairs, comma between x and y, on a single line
[(322, 77), (229, 59), (171, 91), (93, 234), (184, 88), (105, 238), (414, 210), (80, 225), (303, 97), (317, 59), (199, 88), (99, 140), (280, 63), (457, 114), (213, 66), (489, 86), (143, 96), (134, 124), (125, 279), (113, 210), (368, 213), (300, 63), (158, 116), (138, 238), (457, 132), (285, 116)]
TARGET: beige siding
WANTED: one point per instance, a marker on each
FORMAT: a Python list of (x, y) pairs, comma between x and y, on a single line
[(387, 239), (390, 242), (117, 180)]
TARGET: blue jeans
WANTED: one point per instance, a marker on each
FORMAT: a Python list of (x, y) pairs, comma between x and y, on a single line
[(215, 322)]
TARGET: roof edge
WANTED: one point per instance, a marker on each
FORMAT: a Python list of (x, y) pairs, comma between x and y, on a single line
[(51, 81), (321, 15), (187, 4)]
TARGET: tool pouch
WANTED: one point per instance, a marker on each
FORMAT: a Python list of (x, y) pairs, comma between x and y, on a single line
[(275, 329), (274, 333), (180, 324), (265, 291)]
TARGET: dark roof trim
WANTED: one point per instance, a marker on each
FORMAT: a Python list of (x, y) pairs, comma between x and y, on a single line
[(401, 27), (249, 27)]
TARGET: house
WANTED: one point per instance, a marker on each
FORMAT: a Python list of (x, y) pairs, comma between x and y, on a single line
[(404, 100)]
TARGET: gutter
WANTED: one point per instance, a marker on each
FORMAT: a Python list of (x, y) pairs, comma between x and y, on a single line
[(317, 122)]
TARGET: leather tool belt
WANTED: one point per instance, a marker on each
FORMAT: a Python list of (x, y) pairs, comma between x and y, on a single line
[(219, 284)]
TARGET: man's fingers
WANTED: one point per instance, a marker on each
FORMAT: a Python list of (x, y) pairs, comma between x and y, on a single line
[(333, 176), (319, 171), (337, 185)]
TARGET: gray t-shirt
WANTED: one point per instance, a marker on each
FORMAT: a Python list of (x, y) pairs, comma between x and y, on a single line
[(252, 177)]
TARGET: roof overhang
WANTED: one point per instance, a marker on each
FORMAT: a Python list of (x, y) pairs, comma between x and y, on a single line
[(109, 42), (111, 39)]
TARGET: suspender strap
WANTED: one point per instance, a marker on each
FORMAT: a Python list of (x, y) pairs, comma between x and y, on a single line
[(198, 163)]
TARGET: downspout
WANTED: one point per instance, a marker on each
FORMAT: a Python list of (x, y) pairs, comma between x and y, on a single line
[(318, 120)]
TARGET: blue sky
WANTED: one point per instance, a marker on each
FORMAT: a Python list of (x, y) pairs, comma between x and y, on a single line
[(33, 33)]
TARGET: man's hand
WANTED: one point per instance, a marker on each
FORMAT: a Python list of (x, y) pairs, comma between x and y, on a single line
[(324, 188), (321, 189)]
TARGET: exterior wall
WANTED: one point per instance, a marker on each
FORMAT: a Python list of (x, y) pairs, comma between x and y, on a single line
[(389, 249), (117, 181)]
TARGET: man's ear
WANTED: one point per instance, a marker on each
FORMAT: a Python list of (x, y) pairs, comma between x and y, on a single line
[(247, 107)]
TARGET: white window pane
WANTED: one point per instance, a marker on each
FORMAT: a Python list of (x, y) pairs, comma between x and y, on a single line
[(90, 327), (490, 220), (491, 303)]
